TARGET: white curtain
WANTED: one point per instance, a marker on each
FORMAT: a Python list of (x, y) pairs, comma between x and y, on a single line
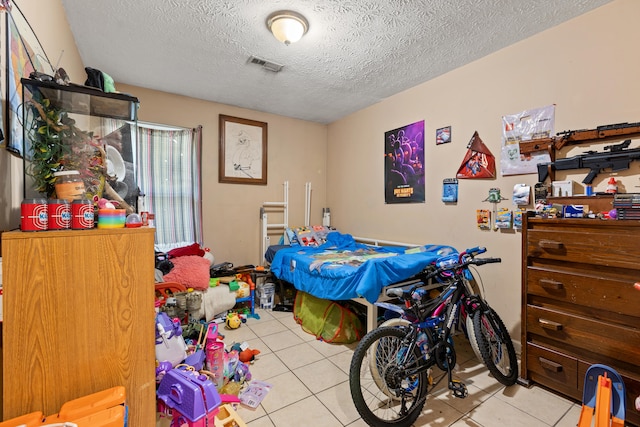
[(169, 176)]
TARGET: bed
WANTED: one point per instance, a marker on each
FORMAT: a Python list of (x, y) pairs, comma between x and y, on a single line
[(343, 269)]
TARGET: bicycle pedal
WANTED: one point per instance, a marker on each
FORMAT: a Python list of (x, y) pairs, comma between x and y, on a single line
[(459, 389)]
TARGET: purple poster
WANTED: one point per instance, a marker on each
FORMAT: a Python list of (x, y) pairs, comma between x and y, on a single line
[(404, 164)]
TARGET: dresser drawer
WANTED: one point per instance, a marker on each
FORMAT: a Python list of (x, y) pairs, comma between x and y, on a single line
[(588, 289), (595, 246), (553, 369), (611, 342)]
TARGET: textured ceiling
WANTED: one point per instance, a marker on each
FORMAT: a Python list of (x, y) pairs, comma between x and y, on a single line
[(356, 52)]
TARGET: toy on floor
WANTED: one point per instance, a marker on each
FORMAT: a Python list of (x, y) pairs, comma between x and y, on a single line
[(248, 355), (227, 417), (236, 373), (190, 396), (161, 369), (233, 321), (245, 354), (253, 395), (603, 398), (214, 355), (170, 345)]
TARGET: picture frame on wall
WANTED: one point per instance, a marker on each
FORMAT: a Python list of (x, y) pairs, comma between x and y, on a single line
[(443, 135), (25, 55), (242, 151)]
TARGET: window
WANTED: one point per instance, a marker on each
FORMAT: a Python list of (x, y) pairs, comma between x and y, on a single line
[(169, 176)]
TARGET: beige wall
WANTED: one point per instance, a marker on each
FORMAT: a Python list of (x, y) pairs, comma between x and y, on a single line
[(586, 67), (296, 151)]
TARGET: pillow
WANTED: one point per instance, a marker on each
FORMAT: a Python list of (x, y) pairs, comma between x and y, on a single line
[(308, 236), (193, 249), (190, 270)]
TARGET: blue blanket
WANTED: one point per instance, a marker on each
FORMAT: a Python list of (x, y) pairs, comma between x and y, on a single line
[(343, 269)]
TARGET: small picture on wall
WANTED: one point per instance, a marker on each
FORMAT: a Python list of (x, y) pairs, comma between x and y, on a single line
[(443, 135), (450, 190)]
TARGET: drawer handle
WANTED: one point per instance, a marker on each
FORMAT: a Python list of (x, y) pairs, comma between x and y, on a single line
[(550, 244), (548, 324), (550, 364), (551, 284)]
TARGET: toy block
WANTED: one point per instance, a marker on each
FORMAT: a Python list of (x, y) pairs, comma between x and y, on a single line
[(228, 417)]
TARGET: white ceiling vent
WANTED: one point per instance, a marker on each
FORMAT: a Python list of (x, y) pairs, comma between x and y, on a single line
[(267, 65)]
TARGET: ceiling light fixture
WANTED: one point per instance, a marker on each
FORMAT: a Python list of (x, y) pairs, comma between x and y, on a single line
[(287, 26)]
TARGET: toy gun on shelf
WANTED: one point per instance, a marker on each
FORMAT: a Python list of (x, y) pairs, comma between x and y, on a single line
[(617, 130), (617, 157), (613, 132)]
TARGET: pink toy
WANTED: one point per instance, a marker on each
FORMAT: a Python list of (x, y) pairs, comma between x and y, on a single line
[(214, 355), (229, 398), (104, 203)]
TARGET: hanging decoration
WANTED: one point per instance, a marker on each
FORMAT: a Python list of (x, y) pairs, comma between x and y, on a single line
[(494, 198), (479, 162), (526, 125)]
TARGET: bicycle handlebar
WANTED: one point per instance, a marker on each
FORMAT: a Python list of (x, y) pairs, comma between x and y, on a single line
[(483, 261), (462, 264), (466, 259)]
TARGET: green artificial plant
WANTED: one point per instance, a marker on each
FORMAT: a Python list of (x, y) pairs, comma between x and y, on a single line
[(57, 144)]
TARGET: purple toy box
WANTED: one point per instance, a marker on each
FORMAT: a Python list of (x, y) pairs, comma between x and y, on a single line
[(192, 398)]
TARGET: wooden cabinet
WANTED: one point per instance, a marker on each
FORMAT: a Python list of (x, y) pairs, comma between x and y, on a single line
[(579, 306), (78, 318)]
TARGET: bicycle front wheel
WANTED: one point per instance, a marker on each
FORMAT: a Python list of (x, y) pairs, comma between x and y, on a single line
[(382, 393), (496, 346)]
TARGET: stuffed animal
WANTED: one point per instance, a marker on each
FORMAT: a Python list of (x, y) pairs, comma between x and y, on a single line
[(242, 373), (104, 203), (209, 256), (233, 321), (248, 355)]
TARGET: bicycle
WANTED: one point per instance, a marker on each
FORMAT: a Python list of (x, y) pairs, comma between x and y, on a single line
[(389, 374)]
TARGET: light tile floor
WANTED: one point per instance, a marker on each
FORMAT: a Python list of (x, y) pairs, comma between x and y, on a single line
[(311, 385)]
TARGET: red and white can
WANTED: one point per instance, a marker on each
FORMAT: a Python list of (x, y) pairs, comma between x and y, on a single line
[(81, 214), (33, 215), (59, 213)]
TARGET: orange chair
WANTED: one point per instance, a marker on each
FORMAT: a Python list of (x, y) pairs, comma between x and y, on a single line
[(102, 409), (165, 290)]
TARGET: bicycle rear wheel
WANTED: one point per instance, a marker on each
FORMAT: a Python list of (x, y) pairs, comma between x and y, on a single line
[(496, 346), (382, 395)]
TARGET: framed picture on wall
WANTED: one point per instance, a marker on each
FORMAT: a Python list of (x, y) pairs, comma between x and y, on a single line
[(25, 55), (243, 151), (443, 135)]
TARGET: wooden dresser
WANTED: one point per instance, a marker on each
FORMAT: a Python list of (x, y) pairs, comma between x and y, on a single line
[(78, 319), (579, 306)]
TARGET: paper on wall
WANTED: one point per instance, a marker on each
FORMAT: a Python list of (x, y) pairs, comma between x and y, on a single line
[(525, 126)]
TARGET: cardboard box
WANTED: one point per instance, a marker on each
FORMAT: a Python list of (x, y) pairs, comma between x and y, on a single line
[(562, 188), (575, 211)]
